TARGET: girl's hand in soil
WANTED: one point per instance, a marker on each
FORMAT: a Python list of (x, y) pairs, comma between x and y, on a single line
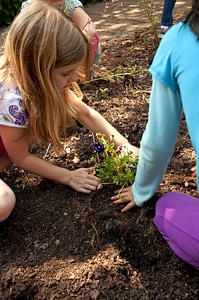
[(130, 148), (123, 196), (83, 182)]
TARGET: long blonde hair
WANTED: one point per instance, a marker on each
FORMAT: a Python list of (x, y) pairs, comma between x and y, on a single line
[(40, 39)]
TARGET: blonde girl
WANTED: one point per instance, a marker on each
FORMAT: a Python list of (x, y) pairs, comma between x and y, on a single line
[(39, 64)]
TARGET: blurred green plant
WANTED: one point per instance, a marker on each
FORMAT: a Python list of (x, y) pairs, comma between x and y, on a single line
[(113, 165), (121, 75), (149, 8), (90, 1), (8, 10)]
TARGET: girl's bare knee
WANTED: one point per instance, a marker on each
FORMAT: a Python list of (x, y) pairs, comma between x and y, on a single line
[(7, 200)]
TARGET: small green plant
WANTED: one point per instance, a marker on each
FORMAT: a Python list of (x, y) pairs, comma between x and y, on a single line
[(120, 75), (103, 91), (149, 8), (114, 165)]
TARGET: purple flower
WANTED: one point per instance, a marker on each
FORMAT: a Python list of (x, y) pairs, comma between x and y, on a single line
[(131, 167), (98, 147), (120, 148)]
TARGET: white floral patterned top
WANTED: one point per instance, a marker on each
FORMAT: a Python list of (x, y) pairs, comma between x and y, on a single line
[(12, 111)]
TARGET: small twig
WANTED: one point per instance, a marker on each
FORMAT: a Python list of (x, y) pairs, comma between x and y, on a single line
[(141, 91), (45, 155), (96, 233)]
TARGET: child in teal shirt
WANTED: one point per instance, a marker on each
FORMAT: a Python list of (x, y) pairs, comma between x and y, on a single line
[(175, 71)]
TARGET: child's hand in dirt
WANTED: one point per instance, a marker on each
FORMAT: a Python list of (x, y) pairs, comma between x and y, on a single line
[(193, 170), (123, 196), (130, 148), (82, 181)]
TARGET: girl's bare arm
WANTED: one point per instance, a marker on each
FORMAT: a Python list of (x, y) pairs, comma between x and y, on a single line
[(18, 151), (95, 122), (84, 22)]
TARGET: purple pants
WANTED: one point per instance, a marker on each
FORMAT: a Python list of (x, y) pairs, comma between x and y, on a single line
[(177, 219)]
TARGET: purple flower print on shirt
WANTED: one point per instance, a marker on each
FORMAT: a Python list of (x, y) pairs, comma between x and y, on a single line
[(19, 114)]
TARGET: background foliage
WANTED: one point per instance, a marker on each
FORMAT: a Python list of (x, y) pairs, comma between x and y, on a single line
[(10, 8)]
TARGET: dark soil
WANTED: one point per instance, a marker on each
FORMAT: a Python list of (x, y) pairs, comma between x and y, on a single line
[(60, 244)]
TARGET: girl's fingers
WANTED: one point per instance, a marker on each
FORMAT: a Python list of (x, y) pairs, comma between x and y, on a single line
[(128, 206), (122, 196)]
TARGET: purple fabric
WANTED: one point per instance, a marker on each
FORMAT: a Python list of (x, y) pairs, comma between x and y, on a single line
[(177, 219)]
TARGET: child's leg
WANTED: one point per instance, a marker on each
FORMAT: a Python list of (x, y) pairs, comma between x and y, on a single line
[(167, 18), (177, 219), (7, 200), (94, 45), (96, 54)]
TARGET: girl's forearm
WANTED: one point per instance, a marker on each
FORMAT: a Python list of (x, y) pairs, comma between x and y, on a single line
[(89, 31), (79, 179), (97, 123), (44, 169), (84, 22), (103, 126)]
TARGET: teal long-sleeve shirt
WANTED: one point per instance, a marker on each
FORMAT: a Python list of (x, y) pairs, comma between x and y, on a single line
[(158, 141), (175, 71)]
